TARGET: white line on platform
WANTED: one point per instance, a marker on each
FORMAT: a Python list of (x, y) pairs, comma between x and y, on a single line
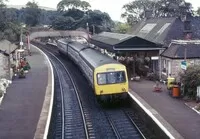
[(152, 116), (52, 93)]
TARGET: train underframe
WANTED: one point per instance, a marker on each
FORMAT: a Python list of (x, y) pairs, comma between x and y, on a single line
[(119, 97)]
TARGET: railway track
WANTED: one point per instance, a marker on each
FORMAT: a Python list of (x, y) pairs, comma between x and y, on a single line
[(70, 114), (99, 122), (123, 125)]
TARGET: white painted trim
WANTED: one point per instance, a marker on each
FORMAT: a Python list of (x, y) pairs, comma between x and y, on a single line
[(52, 93), (198, 112), (1, 98), (152, 116), (169, 67), (154, 57)]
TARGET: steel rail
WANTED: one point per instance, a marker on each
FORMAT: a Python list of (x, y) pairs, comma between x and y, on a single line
[(78, 97)]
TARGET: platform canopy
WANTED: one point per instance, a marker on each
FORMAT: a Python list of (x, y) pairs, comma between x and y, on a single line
[(123, 42)]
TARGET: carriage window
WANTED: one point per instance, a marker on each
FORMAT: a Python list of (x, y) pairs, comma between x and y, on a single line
[(120, 77), (101, 78), (111, 77)]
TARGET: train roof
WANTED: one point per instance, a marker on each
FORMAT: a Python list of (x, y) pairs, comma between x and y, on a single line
[(66, 41), (77, 46), (96, 58)]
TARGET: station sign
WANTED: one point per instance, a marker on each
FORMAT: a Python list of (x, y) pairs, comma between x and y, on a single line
[(21, 43), (154, 58), (183, 65)]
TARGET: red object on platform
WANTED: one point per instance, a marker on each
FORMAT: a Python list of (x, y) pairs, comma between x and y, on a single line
[(157, 89)]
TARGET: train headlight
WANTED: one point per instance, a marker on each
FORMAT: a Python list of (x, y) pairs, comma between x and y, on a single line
[(123, 89)]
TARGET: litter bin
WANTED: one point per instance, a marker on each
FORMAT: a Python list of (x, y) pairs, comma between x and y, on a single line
[(169, 81), (175, 91)]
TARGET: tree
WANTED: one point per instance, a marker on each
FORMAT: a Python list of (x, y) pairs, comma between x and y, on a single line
[(198, 11), (73, 4), (32, 14), (2, 4), (47, 17), (12, 15), (121, 27), (191, 79), (63, 23), (135, 10), (2, 14), (9, 27), (74, 15)]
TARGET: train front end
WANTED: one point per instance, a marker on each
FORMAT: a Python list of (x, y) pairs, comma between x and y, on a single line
[(111, 82)]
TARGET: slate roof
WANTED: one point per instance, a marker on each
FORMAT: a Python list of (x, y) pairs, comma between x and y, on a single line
[(117, 42), (4, 46), (155, 29), (149, 34), (111, 38), (195, 24), (177, 51), (163, 30)]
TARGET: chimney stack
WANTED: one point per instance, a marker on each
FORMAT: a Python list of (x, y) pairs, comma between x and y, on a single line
[(148, 14), (187, 27)]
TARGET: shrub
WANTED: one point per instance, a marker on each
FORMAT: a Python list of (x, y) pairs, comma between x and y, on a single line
[(191, 79)]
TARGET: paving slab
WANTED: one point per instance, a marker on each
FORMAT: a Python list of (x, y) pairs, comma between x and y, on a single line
[(21, 107), (173, 110)]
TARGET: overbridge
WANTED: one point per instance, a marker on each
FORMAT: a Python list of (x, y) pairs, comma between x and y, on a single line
[(54, 33)]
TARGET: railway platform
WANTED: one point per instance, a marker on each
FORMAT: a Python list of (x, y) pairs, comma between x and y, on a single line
[(24, 111), (179, 116)]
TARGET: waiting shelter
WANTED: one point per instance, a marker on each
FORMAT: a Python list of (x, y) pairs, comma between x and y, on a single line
[(129, 47)]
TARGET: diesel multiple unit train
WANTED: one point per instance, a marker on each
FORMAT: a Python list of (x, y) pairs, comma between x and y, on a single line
[(107, 76)]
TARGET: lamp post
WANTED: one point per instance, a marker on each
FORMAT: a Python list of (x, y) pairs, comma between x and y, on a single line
[(21, 42), (93, 29), (9, 63), (87, 24)]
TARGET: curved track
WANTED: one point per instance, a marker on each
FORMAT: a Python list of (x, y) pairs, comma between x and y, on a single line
[(100, 122), (71, 121)]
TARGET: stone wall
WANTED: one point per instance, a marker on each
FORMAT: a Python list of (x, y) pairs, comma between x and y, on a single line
[(176, 66)]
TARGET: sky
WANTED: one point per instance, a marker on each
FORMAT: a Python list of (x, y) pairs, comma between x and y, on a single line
[(112, 7)]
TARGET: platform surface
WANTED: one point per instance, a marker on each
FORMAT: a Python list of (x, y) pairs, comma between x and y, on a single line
[(173, 110), (21, 107)]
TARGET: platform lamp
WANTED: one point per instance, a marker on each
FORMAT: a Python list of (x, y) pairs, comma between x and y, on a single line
[(9, 63), (87, 24), (21, 43)]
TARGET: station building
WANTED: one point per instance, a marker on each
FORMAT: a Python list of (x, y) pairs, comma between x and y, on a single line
[(156, 44)]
